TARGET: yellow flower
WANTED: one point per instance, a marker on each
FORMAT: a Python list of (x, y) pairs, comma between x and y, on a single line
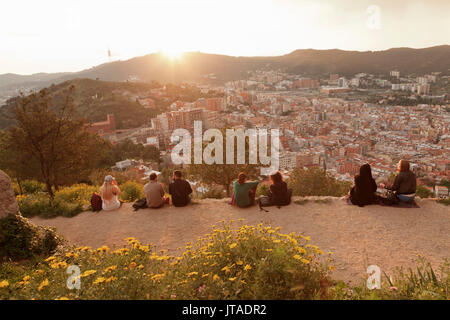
[(243, 282), (111, 268), (308, 238), (4, 284), (140, 267), (247, 267), (43, 285), (157, 276), (240, 263), (216, 277), (99, 280), (226, 269), (232, 279), (233, 245), (269, 250), (110, 279), (300, 249), (87, 273), (26, 278), (132, 265), (332, 268), (205, 275), (305, 261), (63, 298), (50, 259), (194, 273), (297, 257)]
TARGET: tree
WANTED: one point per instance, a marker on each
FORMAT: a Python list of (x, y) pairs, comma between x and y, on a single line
[(222, 174), (445, 183), (49, 139), (316, 182)]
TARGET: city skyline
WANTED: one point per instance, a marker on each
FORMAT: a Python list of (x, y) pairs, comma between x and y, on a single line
[(72, 36)]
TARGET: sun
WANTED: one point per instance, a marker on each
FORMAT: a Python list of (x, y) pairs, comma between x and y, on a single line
[(172, 53)]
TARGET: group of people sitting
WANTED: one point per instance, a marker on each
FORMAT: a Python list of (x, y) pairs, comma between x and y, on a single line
[(245, 191), (180, 191), (401, 190), (363, 193)]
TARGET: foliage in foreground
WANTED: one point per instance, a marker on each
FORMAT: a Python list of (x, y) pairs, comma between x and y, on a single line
[(421, 283), (251, 262), (20, 239)]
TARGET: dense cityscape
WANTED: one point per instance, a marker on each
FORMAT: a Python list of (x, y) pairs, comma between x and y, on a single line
[(328, 123)]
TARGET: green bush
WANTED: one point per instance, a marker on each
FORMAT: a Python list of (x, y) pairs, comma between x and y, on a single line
[(131, 191), (78, 193), (423, 192), (316, 182), (29, 187), (445, 202), (40, 204), (421, 283), (214, 192), (19, 239), (262, 190), (250, 262)]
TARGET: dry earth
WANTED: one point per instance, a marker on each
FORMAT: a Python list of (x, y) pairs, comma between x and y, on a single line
[(358, 237)]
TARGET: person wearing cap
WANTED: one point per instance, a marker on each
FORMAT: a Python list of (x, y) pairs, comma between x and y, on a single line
[(109, 192), (154, 192)]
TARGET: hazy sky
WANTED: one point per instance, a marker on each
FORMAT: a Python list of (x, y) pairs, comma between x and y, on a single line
[(66, 35)]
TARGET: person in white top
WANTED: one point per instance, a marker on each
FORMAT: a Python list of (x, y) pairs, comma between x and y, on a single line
[(110, 192)]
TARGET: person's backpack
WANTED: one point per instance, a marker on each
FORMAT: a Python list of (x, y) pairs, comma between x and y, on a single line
[(96, 202), (140, 204)]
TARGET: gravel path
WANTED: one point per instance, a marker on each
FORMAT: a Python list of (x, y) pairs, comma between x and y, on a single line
[(359, 237)]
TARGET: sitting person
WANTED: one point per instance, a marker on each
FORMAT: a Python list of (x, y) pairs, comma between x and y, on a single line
[(110, 192), (363, 192), (180, 190), (404, 185), (154, 192), (244, 192), (278, 194)]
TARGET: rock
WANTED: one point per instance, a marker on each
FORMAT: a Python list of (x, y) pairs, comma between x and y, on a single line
[(8, 203)]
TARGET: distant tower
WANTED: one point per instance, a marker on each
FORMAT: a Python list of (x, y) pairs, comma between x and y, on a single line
[(109, 55)]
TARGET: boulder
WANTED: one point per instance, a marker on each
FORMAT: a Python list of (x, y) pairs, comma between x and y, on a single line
[(8, 203)]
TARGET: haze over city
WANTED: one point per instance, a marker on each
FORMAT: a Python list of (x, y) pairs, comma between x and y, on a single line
[(75, 35)]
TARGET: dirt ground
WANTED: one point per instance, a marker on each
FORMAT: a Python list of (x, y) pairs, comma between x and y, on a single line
[(358, 237)]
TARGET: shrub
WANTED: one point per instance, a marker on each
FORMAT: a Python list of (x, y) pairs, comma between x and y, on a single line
[(423, 192), (131, 191), (214, 192), (316, 182), (78, 193), (445, 202), (40, 204), (29, 187), (262, 190), (251, 262), (423, 283), (20, 239)]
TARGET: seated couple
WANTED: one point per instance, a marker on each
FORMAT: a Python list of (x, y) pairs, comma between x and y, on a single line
[(403, 188), (244, 192), (179, 189)]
